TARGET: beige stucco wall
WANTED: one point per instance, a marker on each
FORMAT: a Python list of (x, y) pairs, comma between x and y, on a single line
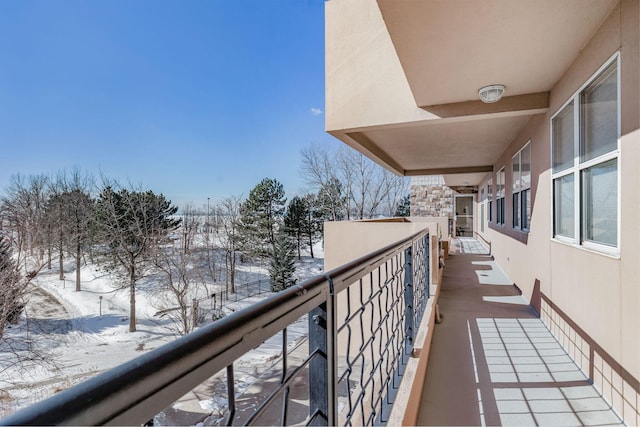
[(601, 293), (359, 57), (345, 241)]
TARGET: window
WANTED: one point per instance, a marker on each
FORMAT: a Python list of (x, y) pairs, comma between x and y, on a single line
[(521, 188), (500, 197), (490, 197), (483, 207), (585, 164)]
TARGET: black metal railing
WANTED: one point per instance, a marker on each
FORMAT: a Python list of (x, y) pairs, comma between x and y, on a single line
[(361, 318)]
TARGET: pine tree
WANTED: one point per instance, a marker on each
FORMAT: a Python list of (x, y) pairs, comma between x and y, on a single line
[(294, 220), (282, 267), (131, 224), (404, 207), (261, 216)]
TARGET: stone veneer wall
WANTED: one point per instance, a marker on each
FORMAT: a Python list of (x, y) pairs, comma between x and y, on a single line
[(431, 197)]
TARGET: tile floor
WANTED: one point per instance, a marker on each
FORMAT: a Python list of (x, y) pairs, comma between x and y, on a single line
[(534, 381)]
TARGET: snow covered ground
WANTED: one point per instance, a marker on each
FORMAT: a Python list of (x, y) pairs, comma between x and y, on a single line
[(76, 335)]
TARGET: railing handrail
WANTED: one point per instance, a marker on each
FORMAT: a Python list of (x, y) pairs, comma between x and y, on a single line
[(135, 391)]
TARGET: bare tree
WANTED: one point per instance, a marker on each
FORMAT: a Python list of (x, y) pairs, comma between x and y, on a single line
[(13, 287), (320, 171), (22, 213), (190, 226), (350, 182), (230, 218), (180, 286), (70, 217)]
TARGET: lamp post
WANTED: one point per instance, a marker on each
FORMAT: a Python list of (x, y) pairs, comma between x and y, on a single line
[(208, 223)]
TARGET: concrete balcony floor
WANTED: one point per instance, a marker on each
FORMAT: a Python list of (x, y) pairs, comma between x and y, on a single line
[(493, 362)]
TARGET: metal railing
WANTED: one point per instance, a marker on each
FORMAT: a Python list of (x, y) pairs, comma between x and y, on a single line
[(362, 319)]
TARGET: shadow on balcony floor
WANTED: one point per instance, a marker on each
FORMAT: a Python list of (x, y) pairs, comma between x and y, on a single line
[(493, 362)]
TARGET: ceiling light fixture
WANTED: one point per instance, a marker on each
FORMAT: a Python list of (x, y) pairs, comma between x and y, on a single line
[(491, 93)]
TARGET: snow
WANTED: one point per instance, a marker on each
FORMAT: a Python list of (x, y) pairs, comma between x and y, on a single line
[(81, 334)]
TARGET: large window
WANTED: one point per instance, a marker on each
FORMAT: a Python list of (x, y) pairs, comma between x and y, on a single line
[(521, 188), (500, 197), (585, 164)]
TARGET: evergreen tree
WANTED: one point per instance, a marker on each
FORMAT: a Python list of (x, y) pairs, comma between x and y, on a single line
[(282, 267), (261, 216), (295, 218), (131, 224), (404, 207)]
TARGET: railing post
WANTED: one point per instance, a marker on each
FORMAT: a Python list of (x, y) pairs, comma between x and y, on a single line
[(427, 258), (408, 298), (323, 368), (318, 367)]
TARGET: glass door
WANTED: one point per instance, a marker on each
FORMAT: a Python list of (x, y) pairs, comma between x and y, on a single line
[(463, 223)]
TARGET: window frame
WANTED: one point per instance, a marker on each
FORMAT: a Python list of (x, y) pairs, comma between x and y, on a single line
[(519, 208), (578, 167), (500, 196), (490, 200)]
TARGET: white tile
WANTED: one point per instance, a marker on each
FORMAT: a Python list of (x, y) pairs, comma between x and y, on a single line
[(496, 346), (498, 361), (509, 340), (549, 405), (501, 368), (535, 377), (508, 394), (522, 353), (543, 393), (526, 360), (546, 345), (589, 404), (580, 392), (557, 359), (506, 335), (566, 419), (500, 377), (563, 367), (512, 406), (552, 352), (569, 376), (517, 420), (495, 353), (530, 368), (527, 346), (598, 418)]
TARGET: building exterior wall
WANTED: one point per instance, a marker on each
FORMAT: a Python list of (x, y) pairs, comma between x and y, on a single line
[(590, 299)]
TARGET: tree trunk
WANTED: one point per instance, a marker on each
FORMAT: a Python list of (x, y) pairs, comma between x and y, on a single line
[(61, 263), (78, 262), (132, 298), (233, 271), (311, 244)]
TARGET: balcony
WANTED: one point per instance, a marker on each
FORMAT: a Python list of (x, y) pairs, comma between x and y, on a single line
[(371, 335), (362, 323)]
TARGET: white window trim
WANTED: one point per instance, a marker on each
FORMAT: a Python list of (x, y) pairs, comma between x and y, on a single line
[(577, 168)]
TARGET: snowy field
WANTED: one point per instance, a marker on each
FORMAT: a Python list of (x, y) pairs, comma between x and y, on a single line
[(77, 335)]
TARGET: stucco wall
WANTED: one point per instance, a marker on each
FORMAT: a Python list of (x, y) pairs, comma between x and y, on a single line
[(599, 292)]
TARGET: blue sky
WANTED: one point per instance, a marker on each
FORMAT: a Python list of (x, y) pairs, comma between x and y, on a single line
[(192, 99)]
